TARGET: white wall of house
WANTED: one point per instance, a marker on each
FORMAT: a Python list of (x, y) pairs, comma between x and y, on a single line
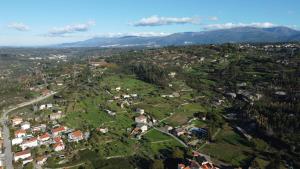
[(16, 141), (24, 156), (29, 144)]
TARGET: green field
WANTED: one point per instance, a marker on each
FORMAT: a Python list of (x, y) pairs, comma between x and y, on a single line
[(232, 148)]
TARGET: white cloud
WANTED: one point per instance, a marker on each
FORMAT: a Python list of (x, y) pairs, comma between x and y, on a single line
[(19, 26), (213, 18), (234, 25), (142, 34), (158, 21), (70, 29)]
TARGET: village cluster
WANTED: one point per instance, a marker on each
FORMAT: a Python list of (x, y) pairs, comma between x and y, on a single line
[(27, 137)]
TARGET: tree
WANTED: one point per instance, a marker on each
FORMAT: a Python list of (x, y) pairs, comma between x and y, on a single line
[(157, 164), (178, 154)]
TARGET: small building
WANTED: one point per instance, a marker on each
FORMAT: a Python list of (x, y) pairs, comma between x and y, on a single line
[(125, 96), (179, 131), (109, 112), (17, 141), (59, 146), (141, 119), (42, 107), (49, 106), (103, 130), (41, 160), (25, 125), (140, 111), (134, 95), (172, 74), (31, 142), (75, 136), (58, 130), (46, 106), (27, 160), (2, 164), (55, 116), (142, 127), (118, 88), (16, 121), (39, 128), (20, 133), (44, 137), (22, 155)]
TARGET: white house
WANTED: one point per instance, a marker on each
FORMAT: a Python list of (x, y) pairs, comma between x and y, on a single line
[(17, 141), (16, 121), (22, 155), (1, 163), (126, 96), (118, 89), (55, 116), (27, 160), (41, 160), (59, 146), (142, 127), (110, 112), (103, 130), (32, 142), (134, 95), (49, 106), (141, 119), (25, 126), (140, 111), (42, 107)]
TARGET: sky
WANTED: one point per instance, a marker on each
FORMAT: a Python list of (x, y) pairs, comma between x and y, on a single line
[(45, 22)]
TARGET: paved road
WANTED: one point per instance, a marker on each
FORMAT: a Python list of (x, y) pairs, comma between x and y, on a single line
[(4, 119)]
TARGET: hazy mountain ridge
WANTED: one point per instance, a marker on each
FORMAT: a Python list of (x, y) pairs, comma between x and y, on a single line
[(233, 35)]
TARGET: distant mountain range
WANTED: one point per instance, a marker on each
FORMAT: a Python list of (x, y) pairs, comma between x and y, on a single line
[(234, 35)]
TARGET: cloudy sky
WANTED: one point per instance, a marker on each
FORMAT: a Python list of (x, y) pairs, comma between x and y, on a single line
[(43, 22)]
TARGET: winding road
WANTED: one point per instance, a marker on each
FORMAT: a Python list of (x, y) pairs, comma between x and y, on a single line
[(8, 155)]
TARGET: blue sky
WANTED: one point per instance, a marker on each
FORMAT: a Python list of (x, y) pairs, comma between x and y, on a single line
[(42, 22)]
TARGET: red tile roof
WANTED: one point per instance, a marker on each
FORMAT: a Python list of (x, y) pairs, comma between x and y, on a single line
[(21, 131), (58, 129), (44, 136), (58, 145), (22, 153), (58, 140), (77, 134)]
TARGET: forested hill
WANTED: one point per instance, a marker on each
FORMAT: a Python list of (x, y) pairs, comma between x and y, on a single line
[(233, 35)]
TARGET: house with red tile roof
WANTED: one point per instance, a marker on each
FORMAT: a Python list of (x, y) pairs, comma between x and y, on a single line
[(20, 133), (22, 155), (44, 137), (59, 146), (75, 136), (57, 140), (58, 130)]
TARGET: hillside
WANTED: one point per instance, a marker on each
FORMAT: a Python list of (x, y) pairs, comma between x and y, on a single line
[(234, 35)]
